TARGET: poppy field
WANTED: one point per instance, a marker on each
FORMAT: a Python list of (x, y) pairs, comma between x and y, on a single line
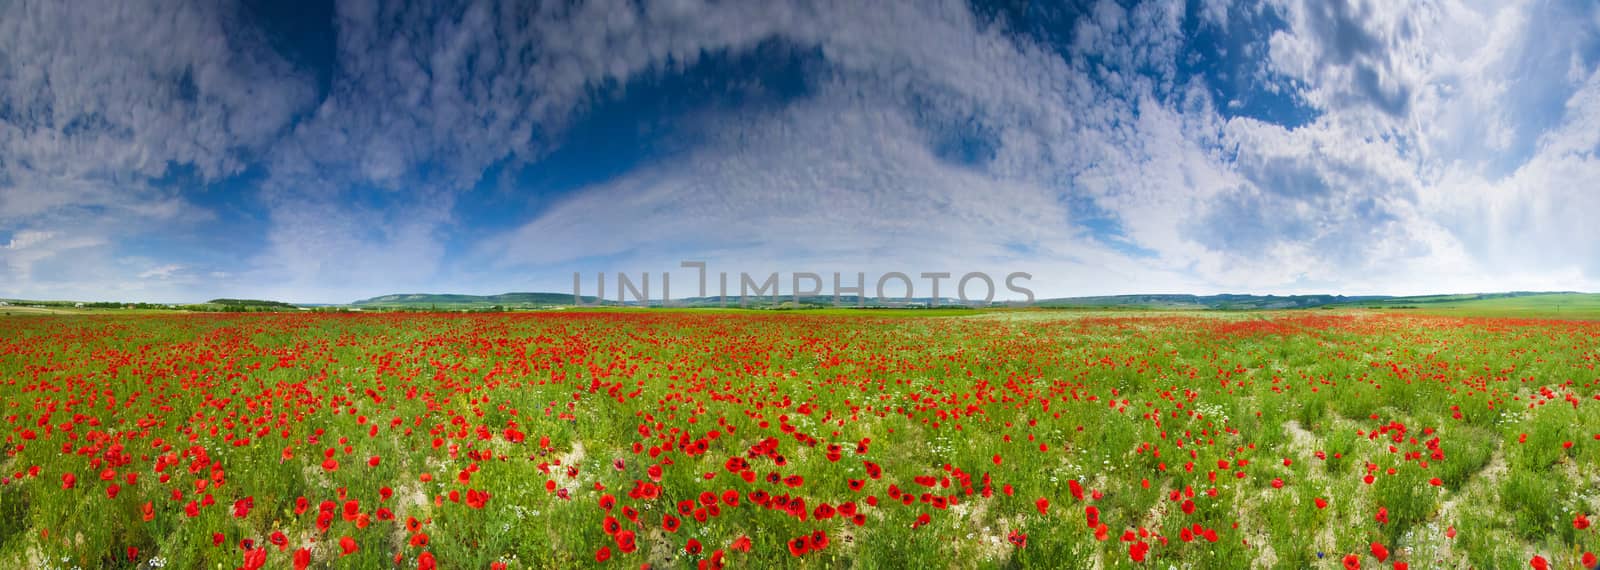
[(626, 439)]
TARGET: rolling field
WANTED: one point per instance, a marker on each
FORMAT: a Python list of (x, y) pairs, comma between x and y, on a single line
[(1549, 306), (1041, 439)]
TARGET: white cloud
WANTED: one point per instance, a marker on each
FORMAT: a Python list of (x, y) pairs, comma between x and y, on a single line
[(1342, 203), (100, 99), (163, 272), (1448, 149), (830, 179), (1353, 56)]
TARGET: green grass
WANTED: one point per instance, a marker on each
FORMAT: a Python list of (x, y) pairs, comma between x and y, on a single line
[(1134, 405), (1579, 306)]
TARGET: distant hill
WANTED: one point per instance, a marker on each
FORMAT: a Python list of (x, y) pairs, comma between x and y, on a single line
[(1462, 299), (545, 299), (465, 301), (1560, 305), (1226, 302), (250, 303), (1217, 302), (1239, 302), (1530, 304)]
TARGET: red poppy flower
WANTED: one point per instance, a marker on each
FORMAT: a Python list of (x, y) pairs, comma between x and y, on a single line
[(254, 558), (819, 540), (1017, 539), (347, 546), (241, 507), (1138, 550)]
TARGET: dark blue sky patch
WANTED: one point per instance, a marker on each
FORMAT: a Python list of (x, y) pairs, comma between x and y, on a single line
[(1229, 62), (302, 32), (1045, 23), (187, 90), (239, 224), (623, 127), (964, 140), (92, 124), (1103, 226)]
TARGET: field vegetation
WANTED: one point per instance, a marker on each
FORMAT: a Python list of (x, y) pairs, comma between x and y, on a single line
[(867, 439)]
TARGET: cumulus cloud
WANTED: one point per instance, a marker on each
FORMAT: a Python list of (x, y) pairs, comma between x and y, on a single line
[(1439, 145), (166, 271), (98, 100)]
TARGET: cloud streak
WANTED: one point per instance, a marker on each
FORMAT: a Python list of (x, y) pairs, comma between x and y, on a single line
[(1436, 146)]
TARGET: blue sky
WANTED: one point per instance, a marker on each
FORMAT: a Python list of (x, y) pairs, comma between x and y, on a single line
[(179, 151)]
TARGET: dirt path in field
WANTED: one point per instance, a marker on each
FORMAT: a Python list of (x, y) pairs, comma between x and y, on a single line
[(1480, 482), (1427, 540), (992, 545), (1302, 444), (1488, 475)]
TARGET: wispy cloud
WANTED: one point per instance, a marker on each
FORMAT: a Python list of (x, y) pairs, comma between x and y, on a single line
[(97, 100), (1434, 146)]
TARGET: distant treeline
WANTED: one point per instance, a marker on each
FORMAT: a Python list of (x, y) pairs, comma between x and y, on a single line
[(250, 303), (84, 305)]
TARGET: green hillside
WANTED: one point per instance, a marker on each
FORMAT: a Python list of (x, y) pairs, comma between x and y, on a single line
[(1231, 302), (455, 301), (1530, 305)]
